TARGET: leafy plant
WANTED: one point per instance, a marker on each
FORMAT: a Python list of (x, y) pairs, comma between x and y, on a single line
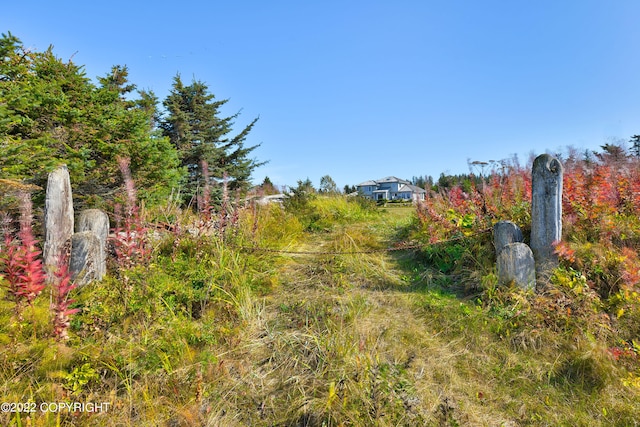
[(20, 258), (77, 379), (61, 305)]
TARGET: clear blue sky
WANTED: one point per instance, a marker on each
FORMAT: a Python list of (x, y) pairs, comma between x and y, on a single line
[(365, 89)]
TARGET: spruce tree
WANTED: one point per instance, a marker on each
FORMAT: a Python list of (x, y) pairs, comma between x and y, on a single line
[(195, 127), (635, 145), (51, 113)]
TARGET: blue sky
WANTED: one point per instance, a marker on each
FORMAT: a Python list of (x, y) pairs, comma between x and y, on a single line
[(364, 89)]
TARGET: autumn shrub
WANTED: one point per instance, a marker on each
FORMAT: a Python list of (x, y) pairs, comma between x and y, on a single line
[(61, 304), (595, 292), (21, 260)]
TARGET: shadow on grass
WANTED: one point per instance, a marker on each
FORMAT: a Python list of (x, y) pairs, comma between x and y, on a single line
[(453, 268)]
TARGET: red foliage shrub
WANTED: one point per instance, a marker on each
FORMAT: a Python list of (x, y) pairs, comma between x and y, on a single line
[(601, 213), (61, 303), (20, 258)]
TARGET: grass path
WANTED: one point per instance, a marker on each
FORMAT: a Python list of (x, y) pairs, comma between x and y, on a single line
[(342, 341), (371, 340)]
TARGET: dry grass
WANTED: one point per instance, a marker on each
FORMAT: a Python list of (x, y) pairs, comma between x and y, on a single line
[(304, 340)]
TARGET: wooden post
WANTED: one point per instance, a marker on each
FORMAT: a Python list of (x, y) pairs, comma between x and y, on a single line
[(546, 212), (58, 219), (96, 222)]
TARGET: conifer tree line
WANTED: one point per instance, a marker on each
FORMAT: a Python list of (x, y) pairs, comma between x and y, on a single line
[(51, 113)]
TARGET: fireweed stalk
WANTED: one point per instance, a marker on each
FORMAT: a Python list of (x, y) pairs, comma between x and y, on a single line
[(130, 242), (61, 303), (20, 258)]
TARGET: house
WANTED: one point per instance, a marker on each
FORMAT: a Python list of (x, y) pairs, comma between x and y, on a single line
[(265, 200), (391, 188)]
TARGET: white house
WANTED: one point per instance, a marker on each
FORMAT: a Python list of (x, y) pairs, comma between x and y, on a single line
[(391, 188)]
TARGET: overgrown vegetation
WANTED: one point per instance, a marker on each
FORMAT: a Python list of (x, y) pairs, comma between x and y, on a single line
[(314, 313), (583, 326), (212, 331)]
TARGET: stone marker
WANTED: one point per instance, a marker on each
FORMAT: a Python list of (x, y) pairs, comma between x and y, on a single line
[(96, 221), (515, 264), (87, 258), (58, 219), (505, 232), (546, 211)]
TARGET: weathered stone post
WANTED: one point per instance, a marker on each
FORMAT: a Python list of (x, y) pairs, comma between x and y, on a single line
[(87, 258), (58, 219), (505, 232), (514, 259), (89, 247), (546, 212), (94, 220), (515, 264)]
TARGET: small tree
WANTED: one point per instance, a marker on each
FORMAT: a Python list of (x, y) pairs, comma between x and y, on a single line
[(194, 125), (348, 189), (298, 198), (328, 185), (268, 187)]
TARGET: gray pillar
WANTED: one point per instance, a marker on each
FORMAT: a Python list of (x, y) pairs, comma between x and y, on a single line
[(546, 212), (515, 264), (94, 220), (58, 219), (505, 232), (87, 258)]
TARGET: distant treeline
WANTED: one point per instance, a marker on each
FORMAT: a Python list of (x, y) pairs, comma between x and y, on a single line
[(481, 171)]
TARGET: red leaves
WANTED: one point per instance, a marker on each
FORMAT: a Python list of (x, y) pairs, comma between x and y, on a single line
[(130, 241), (601, 214), (630, 267), (564, 251), (20, 257), (24, 272), (599, 190), (60, 306), (477, 201)]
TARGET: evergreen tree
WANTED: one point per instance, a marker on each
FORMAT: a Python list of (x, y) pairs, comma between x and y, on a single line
[(612, 153), (51, 113), (195, 128), (348, 189), (268, 187), (635, 145)]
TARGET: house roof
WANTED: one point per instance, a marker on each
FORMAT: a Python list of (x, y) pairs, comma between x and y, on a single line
[(411, 188), (391, 179), (384, 180)]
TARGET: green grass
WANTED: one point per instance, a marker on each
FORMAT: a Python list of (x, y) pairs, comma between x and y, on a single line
[(211, 334)]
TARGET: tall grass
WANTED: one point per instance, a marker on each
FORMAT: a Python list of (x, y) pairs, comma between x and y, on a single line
[(586, 313), (209, 331)]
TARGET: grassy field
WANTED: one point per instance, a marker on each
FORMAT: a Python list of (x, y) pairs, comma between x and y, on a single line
[(211, 333)]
